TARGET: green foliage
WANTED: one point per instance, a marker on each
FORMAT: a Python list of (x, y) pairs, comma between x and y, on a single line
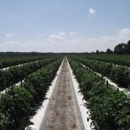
[(7, 61), (17, 107), (117, 74), (109, 109), (21, 103), (16, 74), (110, 58)]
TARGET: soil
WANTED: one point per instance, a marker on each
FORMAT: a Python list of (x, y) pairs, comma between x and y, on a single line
[(63, 111)]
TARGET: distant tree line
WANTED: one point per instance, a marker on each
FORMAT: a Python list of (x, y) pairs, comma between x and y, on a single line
[(25, 53), (122, 48)]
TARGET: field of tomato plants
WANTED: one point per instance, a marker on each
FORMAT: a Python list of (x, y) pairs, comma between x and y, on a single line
[(110, 58), (118, 74), (108, 108), (19, 104), (7, 61), (16, 74)]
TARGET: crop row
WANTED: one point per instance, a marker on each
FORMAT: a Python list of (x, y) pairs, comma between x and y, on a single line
[(17, 106), (108, 108), (114, 59), (16, 60), (117, 74), (16, 74)]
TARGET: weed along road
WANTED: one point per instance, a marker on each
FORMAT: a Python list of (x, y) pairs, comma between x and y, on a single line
[(63, 111)]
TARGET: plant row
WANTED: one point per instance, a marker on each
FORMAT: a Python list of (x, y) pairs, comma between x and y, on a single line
[(16, 60), (16, 74), (17, 106), (110, 58), (117, 74), (108, 108)]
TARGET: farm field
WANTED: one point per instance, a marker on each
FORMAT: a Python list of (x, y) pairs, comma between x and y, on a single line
[(19, 103), (65, 65), (106, 108), (8, 61), (123, 60)]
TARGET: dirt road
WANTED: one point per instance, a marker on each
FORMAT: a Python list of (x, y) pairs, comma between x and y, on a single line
[(63, 112)]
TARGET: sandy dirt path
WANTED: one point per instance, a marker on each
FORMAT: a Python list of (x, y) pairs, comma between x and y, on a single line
[(63, 112)]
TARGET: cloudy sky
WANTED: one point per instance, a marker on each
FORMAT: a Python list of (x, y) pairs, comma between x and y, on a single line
[(63, 25)]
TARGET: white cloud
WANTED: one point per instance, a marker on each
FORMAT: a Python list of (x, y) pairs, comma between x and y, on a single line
[(57, 37), (62, 33), (101, 43), (124, 32), (92, 11), (40, 35), (22, 46), (13, 43), (10, 34), (78, 44), (64, 42), (104, 42), (72, 33), (11, 46), (53, 37)]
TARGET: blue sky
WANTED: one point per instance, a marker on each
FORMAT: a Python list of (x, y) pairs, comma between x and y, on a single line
[(63, 25)]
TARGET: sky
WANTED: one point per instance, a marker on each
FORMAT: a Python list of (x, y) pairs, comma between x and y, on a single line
[(63, 25)]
